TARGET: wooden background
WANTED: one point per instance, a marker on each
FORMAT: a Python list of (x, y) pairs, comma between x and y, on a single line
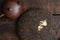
[(7, 27)]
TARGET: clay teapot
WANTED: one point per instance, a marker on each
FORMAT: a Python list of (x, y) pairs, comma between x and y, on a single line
[(12, 9)]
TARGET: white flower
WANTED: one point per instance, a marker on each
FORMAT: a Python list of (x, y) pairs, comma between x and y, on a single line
[(42, 23)]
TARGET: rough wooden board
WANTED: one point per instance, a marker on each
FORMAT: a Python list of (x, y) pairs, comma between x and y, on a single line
[(52, 6), (7, 29)]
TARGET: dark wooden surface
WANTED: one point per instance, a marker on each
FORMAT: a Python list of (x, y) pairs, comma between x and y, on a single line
[(8, 27)]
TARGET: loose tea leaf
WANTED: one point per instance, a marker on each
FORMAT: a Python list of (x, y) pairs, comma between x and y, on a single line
[(28, 25)]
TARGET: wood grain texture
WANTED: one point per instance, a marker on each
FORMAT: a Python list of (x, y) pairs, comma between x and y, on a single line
[(7, 26)]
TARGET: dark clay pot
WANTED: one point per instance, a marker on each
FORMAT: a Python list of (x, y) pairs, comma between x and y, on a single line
[(12, 9)]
